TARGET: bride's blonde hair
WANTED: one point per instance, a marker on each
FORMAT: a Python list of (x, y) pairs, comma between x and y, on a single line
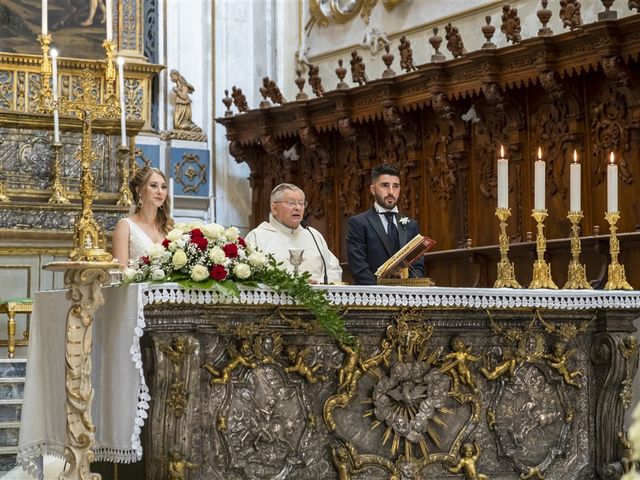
[(137, 183)]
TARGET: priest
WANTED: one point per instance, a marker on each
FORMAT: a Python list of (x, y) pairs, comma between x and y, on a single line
[(286, 235)]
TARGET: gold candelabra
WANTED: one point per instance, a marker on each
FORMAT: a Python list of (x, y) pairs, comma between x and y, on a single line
[(126, 198), (506, 276), (541, 269), (617, 278), (57, 190), (89, 241), (577, 276), (46, 95)]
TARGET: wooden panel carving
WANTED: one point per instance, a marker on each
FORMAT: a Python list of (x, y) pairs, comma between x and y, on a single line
[(442, 125)]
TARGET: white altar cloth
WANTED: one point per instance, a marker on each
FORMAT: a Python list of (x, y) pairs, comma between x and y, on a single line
[(121, 398), (120, 402)]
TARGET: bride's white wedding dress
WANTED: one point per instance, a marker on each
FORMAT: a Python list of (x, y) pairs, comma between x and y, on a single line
[(139, 241)]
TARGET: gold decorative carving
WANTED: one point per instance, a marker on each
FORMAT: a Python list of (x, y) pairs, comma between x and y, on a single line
[(506, 275), (178, 398), (177, 351), (458, 364), (577, 276), (541, 269), (617, 279), (126, 197), (558, 361), (190, 173), (533, 473), (298, 359), (467, 462), (629, 350), (84, 281), (57, 190), (178, 466), (238, 358), (46, 95)]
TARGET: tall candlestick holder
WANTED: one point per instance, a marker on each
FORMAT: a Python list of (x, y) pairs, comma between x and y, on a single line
[(46, 95), (57, 190), (126, 198), (541, 269), (617, 278), (577, 276), (506, 276)]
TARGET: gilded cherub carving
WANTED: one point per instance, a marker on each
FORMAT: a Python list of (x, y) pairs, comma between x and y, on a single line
[(507, 366), (178, 349), (241, 358), (298, 358), (467, 463), (558, 361), (178, 466), (342, 462), (351, 362), (459, 359)]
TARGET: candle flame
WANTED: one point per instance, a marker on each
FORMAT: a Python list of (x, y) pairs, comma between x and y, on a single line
[(120, 61), (54, 53), (501, 151), (539, 153), (612, 159), (575, 156)]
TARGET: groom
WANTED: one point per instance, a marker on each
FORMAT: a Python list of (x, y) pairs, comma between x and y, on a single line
[(375, 235)]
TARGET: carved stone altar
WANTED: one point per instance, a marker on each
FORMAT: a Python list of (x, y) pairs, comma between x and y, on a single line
[(507, 384)]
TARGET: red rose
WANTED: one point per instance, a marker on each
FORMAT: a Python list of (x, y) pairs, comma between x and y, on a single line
[(230, 250), (200, 242), (165, 243), (218, 272), (145, 260), (242, 243), (195, 233)]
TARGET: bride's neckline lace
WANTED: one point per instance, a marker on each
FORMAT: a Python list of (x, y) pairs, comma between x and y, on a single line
[(139, 241)]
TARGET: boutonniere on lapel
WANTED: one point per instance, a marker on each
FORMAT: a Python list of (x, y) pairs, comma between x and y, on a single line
[(404, 221)]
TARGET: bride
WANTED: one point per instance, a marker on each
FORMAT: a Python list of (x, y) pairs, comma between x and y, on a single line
[(149, 220)]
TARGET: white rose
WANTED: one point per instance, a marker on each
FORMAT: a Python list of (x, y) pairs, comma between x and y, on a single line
[(174, 234), (242, 271), (181, 226), (156, 251), (257, 259), (157, 274), (232, 233), (129, 274), (195, 224), (199, 272), (181, 243), (179, 259), (216, 255), (212, 231)]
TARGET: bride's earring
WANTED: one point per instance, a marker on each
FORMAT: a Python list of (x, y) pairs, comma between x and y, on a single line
[(140, 203)]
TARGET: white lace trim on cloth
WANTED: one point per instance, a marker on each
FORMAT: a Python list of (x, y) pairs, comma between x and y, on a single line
[(143, 392), (385, 296)]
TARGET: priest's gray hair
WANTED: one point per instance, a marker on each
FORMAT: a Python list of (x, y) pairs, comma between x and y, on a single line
[(276, 193)]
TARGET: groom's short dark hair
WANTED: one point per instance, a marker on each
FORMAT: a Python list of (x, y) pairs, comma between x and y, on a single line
[(384, 169)]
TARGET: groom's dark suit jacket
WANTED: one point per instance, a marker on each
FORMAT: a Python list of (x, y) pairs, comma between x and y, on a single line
[(368, 246)]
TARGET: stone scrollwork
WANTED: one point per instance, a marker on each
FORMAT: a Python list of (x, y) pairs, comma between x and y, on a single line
[(324, 12)]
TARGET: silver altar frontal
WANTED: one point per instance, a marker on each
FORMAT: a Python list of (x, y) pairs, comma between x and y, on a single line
[(438, 384)]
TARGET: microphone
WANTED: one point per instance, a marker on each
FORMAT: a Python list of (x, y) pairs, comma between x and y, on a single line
[(305, 225)]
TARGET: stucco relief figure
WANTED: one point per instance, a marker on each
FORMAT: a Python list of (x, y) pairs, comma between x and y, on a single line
[(183, 126)]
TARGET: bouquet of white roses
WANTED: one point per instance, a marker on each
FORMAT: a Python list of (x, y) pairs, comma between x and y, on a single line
[(207, 256), (211, 256)]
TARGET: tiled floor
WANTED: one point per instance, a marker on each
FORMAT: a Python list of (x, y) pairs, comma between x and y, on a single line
[(52, 468)]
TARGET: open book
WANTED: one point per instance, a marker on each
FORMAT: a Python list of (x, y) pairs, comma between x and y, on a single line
[(397, 267)]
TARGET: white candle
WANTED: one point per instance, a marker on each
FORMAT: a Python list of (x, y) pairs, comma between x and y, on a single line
[(45, 23), (612, 186), (503, 180), (575, 174), (123, 112), (109, 14), (539, 174), (54, 80)]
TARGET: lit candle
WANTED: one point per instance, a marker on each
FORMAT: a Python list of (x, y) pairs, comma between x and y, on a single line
[(123, 112), (45, 28), (575, 173), (503, 180), (539, 174), (109, 14), (54, 80), (612, 185)]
